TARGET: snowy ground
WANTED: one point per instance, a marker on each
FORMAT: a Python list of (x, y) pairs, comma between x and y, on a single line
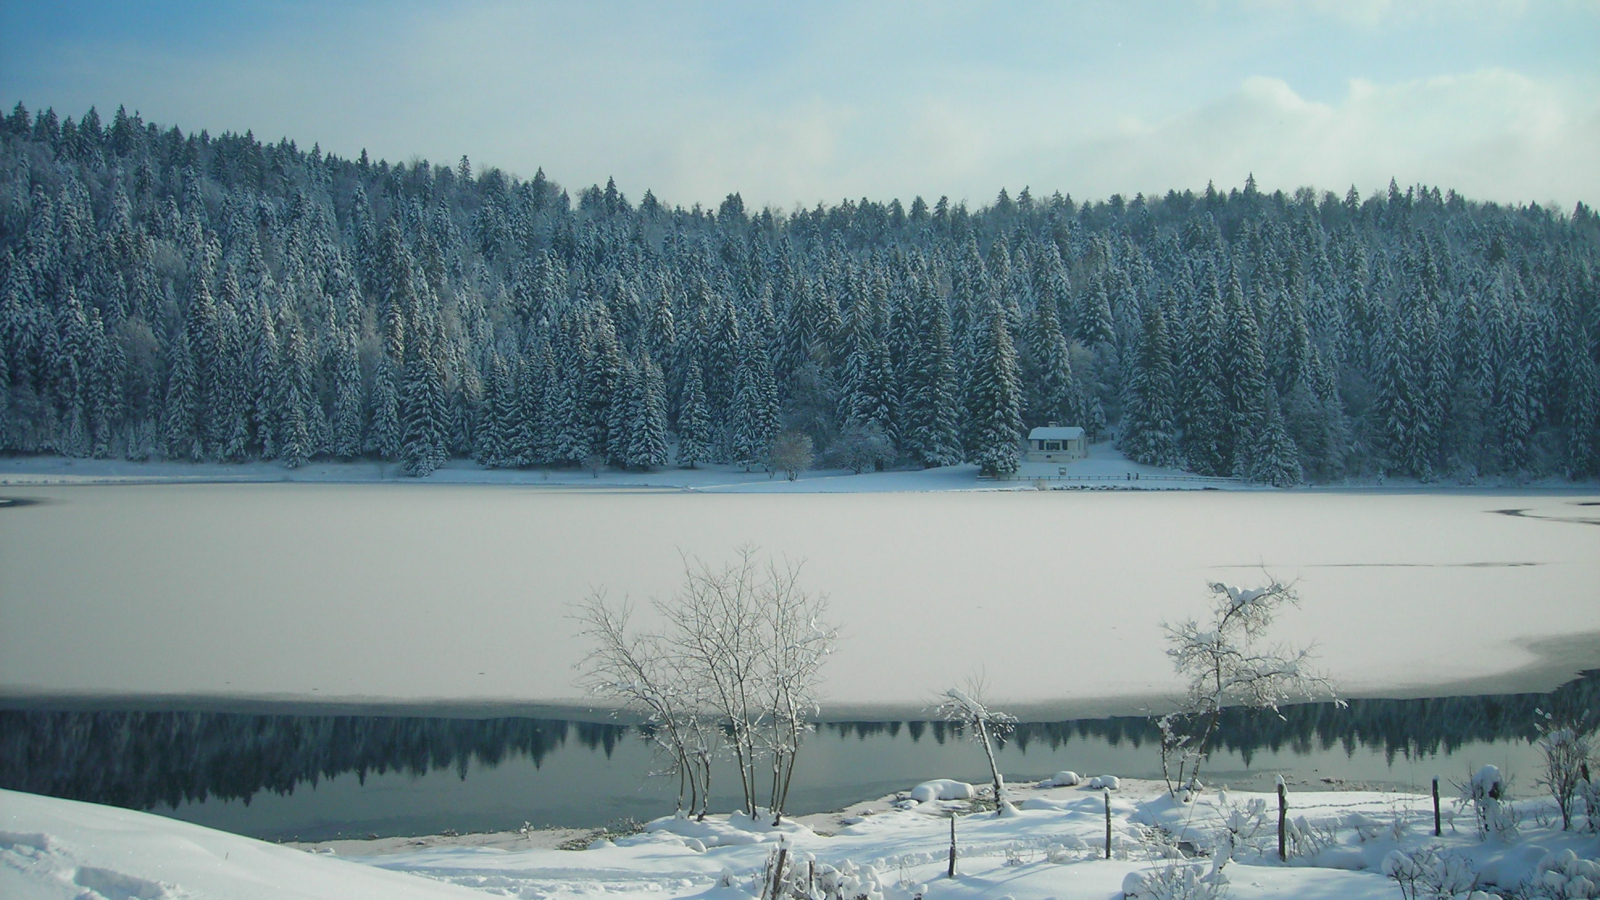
[(1105, 468), (1054, 847), (1103, 465)]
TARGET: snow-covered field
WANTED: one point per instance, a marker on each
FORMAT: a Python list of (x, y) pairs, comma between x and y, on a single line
[(1105, 467), (1341, 845), (1104, 462)]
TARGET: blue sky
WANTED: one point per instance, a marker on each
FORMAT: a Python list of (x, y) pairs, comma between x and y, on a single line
[(804, 102)]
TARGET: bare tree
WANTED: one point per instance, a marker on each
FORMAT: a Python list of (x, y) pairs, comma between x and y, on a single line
[(966, 707), (1225, 664), (734, 669), (793, 453), (635, 670)]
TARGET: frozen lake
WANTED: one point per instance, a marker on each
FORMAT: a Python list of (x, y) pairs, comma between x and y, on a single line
[(414, 593)]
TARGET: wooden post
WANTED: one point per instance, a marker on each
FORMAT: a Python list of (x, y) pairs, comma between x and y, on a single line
[(1436, 806), (1283, 815), (952, 872), (1107, 793)]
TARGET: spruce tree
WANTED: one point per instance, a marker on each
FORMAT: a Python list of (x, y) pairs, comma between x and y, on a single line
[(1275, 459), (694, 421), (345, 439), (422, 410), (994, 401), (647, 448), (754, 422), (180, 427), (1244, 376), (1149, 433)]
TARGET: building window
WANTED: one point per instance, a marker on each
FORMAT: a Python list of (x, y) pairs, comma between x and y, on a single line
[(1052, 445)]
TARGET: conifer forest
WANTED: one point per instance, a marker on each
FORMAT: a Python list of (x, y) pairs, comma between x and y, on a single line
[(172, 295)]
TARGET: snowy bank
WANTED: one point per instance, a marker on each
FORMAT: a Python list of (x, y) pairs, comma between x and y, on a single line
[(1106, 468), (1342, 845)]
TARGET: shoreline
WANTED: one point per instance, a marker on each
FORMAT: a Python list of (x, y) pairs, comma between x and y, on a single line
[(1106, 469), (1557, 661)]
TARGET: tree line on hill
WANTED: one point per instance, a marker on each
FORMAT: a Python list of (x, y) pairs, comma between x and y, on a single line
[(183, 296)]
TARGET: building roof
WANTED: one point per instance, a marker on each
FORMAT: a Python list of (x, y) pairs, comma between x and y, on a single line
[(1054, 433)]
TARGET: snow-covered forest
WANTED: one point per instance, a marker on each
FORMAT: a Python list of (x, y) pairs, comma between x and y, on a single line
[(185, 296)]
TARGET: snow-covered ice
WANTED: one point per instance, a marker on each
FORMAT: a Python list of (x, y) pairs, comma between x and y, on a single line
[(408, 593)]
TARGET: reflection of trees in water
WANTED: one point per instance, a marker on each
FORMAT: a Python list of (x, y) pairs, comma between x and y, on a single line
[(143, 759), (1410, 728)]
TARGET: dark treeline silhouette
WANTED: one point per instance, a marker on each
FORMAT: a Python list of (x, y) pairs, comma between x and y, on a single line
[(185, 296), (1410, 728), (142, 760)]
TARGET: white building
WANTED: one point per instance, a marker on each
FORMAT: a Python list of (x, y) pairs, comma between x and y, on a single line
[(1056, 444)]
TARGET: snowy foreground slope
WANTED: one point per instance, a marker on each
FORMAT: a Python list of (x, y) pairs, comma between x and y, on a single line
[(1053, 848)]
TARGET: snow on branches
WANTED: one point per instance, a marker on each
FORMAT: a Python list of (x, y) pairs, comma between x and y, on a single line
[(1226, 664), (732, 671), (966, 708)]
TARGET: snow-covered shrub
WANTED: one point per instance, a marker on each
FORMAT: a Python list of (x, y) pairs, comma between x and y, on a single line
[(1565, 751), (1564, 876), (1176, 882), (1244, 827), (1066, 778), (1427, 873), (1104, 782), (804, 877), (1306, 839), (1589, 791), (1489, 793)]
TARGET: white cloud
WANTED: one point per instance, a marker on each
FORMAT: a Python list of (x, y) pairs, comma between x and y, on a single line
[(1492, 134), (817, 106)]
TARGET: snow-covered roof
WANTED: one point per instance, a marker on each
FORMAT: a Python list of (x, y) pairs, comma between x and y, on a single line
[(1053, 433)]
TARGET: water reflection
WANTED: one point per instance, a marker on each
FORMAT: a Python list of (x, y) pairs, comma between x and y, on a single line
[(187, 761), (141, 760)]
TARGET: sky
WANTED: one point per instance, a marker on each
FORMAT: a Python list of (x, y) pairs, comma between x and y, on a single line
[(798, 103)]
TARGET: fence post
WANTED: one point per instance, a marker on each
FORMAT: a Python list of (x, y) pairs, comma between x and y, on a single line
[(952, 871), (1107, 793), (1283, 815)]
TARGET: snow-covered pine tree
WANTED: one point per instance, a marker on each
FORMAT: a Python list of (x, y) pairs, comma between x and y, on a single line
[(345, 427), (1244, 376), (647, 447), (1393, 410), (623, 414), (754, 415), (1149, 433), (422, 408), (1203, 412), (1054, 396), (180, 427), (491, 442), (293, 394), (694, 421), (930, 417), (1275, 458), (994, 401)]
